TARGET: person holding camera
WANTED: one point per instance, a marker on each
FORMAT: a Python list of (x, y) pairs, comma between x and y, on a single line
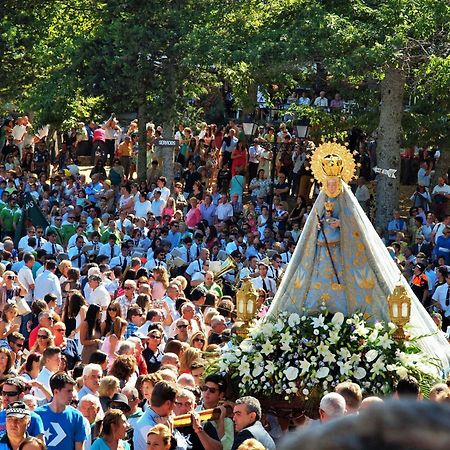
[(10, 289)]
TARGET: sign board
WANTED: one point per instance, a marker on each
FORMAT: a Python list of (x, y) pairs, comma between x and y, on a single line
[(166, 142)]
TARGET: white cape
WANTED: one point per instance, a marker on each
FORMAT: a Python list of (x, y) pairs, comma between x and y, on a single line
[(367, 275)]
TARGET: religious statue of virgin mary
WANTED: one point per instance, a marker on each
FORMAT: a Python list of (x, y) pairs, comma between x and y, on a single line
[(340, 260)]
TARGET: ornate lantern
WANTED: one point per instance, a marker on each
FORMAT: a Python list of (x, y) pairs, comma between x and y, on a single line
[(246, 305), (399, 304)]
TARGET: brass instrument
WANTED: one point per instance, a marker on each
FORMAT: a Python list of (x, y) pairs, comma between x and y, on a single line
[(228, 265)]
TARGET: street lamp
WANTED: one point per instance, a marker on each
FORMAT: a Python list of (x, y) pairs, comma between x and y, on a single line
[(301, 131), (399, 304), (249, 128)]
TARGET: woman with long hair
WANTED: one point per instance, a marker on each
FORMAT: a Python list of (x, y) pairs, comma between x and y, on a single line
[(189, 355), (45, 339), (160, 283), (6, 363), (198, 340), (7, 326), (114, 430), (72, 282), (123, 368), (238, 158), (113, 338), (30, 369), (74, 314), (90, 332), (112, 313)]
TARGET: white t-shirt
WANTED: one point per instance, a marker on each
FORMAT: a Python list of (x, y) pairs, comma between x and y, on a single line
[(141, 209)]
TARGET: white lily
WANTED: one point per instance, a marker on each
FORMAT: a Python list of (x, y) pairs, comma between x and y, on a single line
[(318, 322), (304, 365), (267, 348)]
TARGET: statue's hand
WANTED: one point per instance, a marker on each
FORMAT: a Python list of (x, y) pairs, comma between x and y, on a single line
[(336, 223)]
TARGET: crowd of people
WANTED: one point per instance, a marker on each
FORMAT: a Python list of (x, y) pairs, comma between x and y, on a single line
[(112, 312)]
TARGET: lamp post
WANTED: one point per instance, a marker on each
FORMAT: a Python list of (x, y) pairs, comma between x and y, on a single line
[(249, 128), (246, 304), (399, 304), (301, 131)]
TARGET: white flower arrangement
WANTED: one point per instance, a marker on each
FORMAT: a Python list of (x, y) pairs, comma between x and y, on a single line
[(309, 355)]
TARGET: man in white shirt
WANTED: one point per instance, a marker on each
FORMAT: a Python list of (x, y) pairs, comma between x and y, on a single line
[(441, 298), (321, 100), (51, 359), (158, 204), (76, 254), (31, 232), (99, 295), (18, 132), (51, 246), (123, 260), (110, 249), (263, 281), (197, 265), (224, 210), (25, 276), (47, 282), (143, 206), (161, 187), (79, 232), (440, 195)]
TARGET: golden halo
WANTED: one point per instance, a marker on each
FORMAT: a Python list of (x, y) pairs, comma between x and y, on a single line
[(331, 159)]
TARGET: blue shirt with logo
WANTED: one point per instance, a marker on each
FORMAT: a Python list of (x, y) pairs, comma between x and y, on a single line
[(62, 430)]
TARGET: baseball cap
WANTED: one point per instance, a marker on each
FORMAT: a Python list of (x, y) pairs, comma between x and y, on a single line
[(17, 409)]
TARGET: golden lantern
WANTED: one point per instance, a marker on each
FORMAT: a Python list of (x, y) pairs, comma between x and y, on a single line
[(399, 304), (246, 305)]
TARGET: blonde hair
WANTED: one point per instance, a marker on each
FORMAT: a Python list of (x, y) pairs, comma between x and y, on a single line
[(161, 431), (163, 276), (251, 444), (196, 335), (108, 386), (64, 264), (50, 341), (187, 357)]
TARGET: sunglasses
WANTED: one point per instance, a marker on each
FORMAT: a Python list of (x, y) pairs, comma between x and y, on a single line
[(128, 288), (10, 394), (60, 330), (182, 326), (154, 336), (43, 336), (199, 340), (212, 390), (18, 345)]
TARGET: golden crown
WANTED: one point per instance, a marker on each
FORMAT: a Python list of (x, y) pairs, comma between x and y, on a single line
[(332, 165)]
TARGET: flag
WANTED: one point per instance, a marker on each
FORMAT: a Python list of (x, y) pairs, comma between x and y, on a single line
[(31, 215)]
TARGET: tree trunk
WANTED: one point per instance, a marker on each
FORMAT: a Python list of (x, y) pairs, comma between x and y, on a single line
[(142, 154), (388, 145)]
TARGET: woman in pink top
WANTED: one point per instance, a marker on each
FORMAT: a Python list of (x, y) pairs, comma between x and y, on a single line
[(113, 338), (194, 215), (161, 283)]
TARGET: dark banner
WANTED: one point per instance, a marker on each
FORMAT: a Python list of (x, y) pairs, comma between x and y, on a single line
[(31, 215)]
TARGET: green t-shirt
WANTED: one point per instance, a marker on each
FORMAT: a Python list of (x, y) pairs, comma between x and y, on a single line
[(7, 217)]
